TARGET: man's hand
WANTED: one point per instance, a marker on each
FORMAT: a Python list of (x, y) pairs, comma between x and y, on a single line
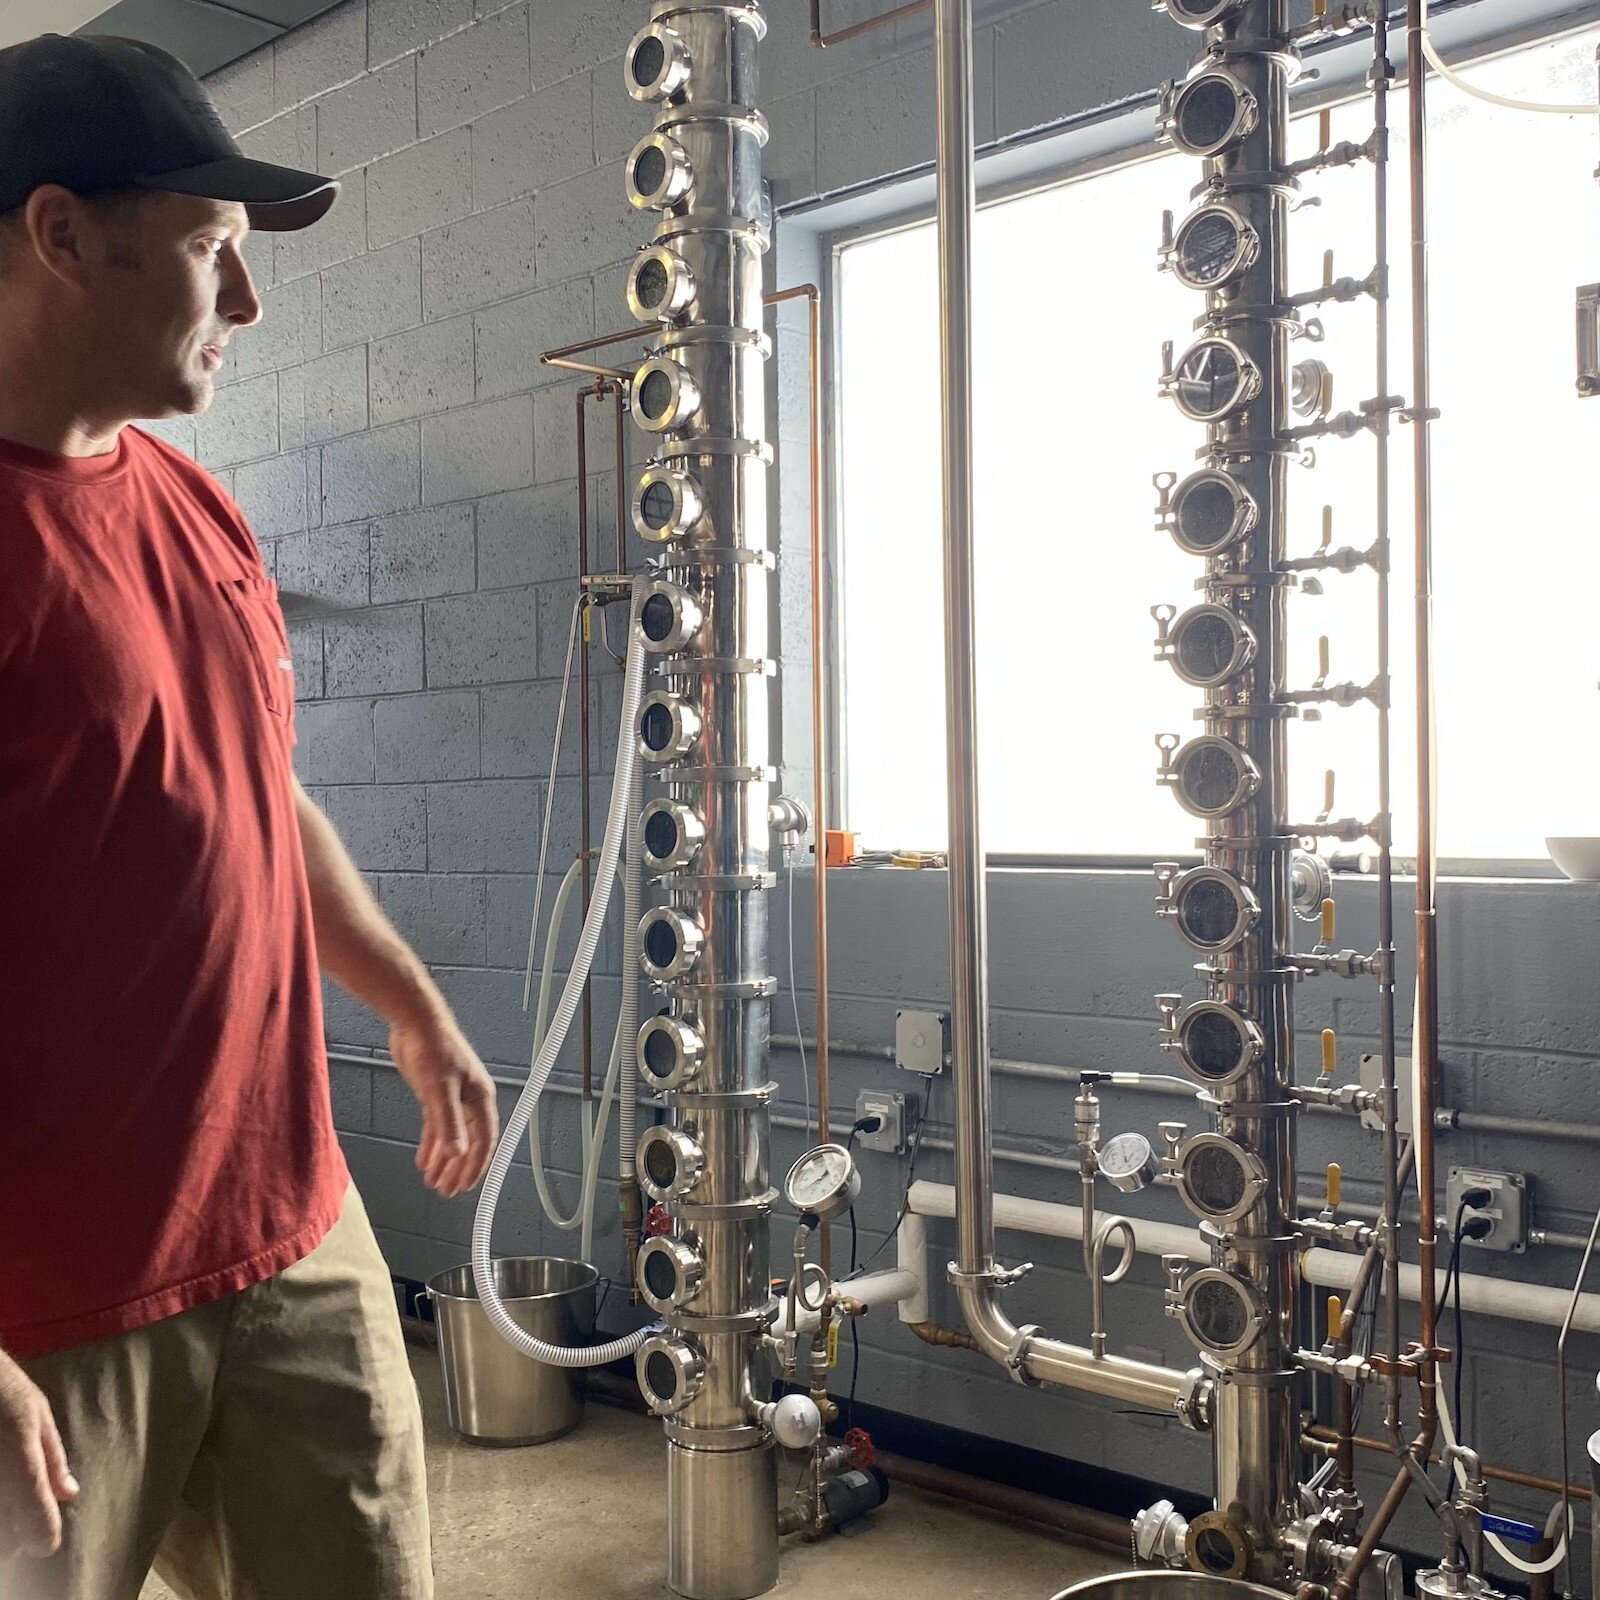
[(460, 1121), (34, 1477)]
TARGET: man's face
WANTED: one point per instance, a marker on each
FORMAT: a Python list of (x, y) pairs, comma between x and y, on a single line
[(168, 292)]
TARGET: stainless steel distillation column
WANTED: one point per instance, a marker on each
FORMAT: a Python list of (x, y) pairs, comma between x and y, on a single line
[(1237, 1042), (702, 501)]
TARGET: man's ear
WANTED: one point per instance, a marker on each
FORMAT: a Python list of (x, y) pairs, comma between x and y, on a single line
[(55, 224)]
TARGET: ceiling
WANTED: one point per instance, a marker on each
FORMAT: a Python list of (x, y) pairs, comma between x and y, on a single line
[(205, 34)]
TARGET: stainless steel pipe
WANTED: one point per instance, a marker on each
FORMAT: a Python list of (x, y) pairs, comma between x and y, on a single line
[(1026, 1352), (702, 503)]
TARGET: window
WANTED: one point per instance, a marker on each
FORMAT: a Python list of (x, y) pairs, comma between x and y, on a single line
[(1070, 316)]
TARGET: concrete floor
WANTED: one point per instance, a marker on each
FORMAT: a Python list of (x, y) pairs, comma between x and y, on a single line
[(584, 1516)]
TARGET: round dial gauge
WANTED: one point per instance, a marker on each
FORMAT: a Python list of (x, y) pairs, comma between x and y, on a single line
[(1128, 1162), (1213, 246), (823, 1182), (1213, 378)]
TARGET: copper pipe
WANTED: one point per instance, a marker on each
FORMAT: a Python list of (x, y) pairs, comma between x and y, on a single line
[(1425, 1043), (936, 1333), (562, 356), (823, 40), (622, 472), (1079, 1522), (1343, 1404), (1325, 1441)]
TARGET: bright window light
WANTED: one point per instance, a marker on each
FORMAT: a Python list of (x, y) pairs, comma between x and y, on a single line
[(1070, 316)]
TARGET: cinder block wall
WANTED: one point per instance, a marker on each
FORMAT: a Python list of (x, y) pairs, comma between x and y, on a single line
[(412, 474)]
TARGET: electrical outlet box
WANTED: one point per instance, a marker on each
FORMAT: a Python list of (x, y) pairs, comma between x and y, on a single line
[(921, 1041), (891, 1134), (1507, 1209), (1372, 1078)]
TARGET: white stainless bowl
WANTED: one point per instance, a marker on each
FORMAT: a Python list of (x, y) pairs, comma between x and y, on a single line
[(1578, 858)]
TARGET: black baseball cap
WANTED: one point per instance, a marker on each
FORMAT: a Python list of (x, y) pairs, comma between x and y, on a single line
[(96, 113)]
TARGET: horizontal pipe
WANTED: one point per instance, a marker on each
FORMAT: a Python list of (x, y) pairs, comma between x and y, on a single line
[(892, 1287), (1329, 1269), (1523, 1127), (1028, 1158), (1323, 1437), (1445, 1119), (1078, 1522)]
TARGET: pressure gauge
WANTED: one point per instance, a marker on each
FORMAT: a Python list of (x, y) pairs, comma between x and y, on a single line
[(823, 1182), (1213, 777), (1128, 1162), (1214, 245), (1211, 510), (1214, 377), (1211, 112)]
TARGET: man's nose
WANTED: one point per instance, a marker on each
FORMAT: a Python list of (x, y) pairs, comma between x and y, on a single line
[(239, 302)]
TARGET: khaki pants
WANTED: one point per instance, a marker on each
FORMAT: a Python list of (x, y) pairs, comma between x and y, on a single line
[(267, 1446)]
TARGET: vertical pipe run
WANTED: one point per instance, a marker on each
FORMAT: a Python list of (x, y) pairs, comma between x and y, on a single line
[(969, 963), (1026, 1352), (1393, 1184), (702, 501), (1426, 1043)]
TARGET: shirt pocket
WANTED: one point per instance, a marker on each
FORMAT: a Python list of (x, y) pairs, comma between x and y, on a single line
[(254, 601)]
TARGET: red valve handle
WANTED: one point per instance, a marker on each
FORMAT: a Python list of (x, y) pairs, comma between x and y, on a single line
[(862, 1450), (657, 1221)]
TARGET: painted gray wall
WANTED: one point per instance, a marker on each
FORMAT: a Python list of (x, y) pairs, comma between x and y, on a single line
[(411, 472)]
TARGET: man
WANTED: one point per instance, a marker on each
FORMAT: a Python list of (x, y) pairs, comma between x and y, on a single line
[(203, 1367)]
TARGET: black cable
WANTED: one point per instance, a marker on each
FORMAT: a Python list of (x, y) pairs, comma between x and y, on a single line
[(1461, 1349), (855, 1337), (911, 1177)]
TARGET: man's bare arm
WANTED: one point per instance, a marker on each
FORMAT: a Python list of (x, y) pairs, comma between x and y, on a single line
[(360, 950), (34, 1476)]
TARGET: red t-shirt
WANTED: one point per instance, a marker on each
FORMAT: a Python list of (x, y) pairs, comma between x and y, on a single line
[(165, 1130)]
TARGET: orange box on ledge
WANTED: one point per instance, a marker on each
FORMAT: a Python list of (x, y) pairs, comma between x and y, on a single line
[(838, 848)]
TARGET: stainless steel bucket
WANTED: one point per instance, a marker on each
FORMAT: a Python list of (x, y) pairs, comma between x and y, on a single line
[(494, 1394), (1166, 1586)]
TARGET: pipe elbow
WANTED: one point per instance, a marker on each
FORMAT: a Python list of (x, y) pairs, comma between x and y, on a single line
[(994, 1333)]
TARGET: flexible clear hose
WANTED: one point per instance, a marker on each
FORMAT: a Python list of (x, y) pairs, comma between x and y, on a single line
[(592, 1133), (541, 1178), (628, 1020), (1450, 75), (1510, 1557), (617, 829)]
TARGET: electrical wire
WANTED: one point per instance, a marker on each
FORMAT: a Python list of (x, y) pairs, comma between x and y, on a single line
[(1449, 74), (855, 1336), (911, 1178)]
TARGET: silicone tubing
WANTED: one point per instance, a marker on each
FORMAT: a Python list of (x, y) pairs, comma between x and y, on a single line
[(618, 826)]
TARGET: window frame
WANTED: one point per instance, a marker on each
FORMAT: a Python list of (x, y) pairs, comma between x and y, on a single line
[(1073, 149)]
